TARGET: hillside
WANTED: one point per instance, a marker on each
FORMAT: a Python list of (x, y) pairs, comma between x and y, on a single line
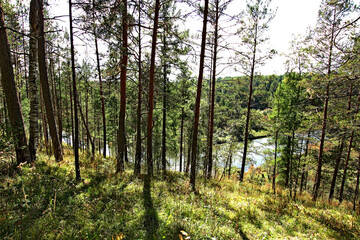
[(44, 202)]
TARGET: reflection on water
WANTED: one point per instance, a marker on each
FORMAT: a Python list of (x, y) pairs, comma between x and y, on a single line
[(258, 152), (256, 155)]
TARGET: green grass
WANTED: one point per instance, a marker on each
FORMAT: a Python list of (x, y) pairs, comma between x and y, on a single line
[(44, 202)]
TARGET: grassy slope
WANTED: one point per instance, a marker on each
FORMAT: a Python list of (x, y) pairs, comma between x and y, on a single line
[(44, 202)]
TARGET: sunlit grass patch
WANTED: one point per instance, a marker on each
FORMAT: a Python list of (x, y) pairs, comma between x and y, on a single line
[(43, 201)]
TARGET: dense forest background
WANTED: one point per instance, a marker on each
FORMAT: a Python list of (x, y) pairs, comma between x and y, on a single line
[(142, 97)]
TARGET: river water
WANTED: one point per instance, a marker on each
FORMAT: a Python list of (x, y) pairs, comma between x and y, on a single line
[(258, 151)]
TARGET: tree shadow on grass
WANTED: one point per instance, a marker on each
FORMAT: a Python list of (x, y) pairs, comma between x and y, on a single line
[(151, 220)]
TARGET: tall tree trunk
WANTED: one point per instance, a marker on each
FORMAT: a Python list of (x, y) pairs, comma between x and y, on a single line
[(345, 168), (137, 168), (163, 152), (181, 139), (44, 123), (189, 152), (339, 155), (88, 133), (326, 103), (357, 185), (72, 113), (291, 161), (151, 92), (33, 85), (86, 109), (348, 153), (287, 167), (198, 98), (212, 107), (124, 59), (75, 96), (59, 104), (46, 89), (10, 91), (336, 169), (275, 155), (100, 82), (304, 164), (298, 169), (247, 124)]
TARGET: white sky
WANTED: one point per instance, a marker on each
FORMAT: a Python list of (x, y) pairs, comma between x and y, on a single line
[(293, 18)]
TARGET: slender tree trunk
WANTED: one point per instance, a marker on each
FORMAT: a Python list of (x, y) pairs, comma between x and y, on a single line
[(291, 161), (287, 170), (71, 114), (298, 169), (338, 159), (59, 104), (275, 155), (137, 168), (247, 125), (346, 167), (10, 91), (53, 86), (86, 109), (230, 161), (44, 122), (100, 82), (357, 185), (181, 138), (151, 92), (348, 153), (76, 120), (88, 133), (189, 153), (326, 103), (124, 59), (304, 164), (212, 108), (321, 148), (198, 98), (163, 153), (46, 89), (336, 169), (33, 83)]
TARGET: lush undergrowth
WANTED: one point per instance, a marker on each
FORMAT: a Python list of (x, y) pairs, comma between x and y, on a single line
[(44, 202)]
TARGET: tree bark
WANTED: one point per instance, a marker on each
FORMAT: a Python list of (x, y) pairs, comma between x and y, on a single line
[(121, 132), (137, 168), (339, 155), (163, 152), (59, 104), (246, 135), (10, 91), (76, 120), (198, 98), (100, 82), (348, 153), (46, 89), (33, 83), (212, 106), (87, 133), (303, 174), (326, 103), (181, 139), (151, 92), (275, 155), (357, 185)]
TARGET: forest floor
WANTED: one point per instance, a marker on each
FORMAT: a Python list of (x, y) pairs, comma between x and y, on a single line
[(43, 201)]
